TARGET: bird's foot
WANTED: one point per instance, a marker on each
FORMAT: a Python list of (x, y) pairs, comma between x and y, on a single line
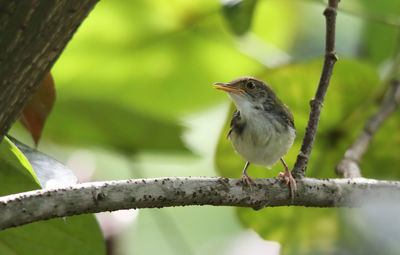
[(246, 179), (287, 176)]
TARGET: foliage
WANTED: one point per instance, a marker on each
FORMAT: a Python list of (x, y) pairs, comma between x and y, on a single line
[(306, 230), (137, 71), (38, 108), (72, 235)]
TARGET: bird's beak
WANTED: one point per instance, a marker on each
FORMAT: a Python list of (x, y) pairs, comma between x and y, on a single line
[(227, 87)]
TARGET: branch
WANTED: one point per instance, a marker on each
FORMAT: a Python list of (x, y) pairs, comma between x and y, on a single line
[(317, 102), (348, 167), (23, 208), (368, 15), (32, 36)]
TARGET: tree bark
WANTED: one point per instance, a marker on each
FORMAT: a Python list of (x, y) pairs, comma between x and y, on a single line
[(33, 34), (94, 197)]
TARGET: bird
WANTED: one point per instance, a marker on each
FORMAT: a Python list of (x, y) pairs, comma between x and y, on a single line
[(262, 128)]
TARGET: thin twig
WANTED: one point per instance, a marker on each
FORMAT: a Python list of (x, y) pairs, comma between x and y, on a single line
[(317, 102), (23, 208), (387, 19), (348, 167)]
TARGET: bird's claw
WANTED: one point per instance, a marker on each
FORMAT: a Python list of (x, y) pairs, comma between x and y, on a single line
[(288, 178), (247, 180)]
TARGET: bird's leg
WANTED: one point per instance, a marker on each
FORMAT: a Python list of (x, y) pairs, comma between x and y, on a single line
[(246, 179), (287, 176)]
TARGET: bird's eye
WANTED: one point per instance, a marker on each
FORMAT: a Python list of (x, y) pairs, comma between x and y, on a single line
[(250, 85)]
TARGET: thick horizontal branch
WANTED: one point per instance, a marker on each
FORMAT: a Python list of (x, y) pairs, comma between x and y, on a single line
[(23, 208)]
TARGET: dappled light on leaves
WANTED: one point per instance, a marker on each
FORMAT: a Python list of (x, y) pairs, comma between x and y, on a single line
[(101, 123)]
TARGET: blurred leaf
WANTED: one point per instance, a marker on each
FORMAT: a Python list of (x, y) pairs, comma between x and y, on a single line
[(50, 172), (300, 230), (371, 229), (38, 108), (382, 158), (380, 38), (161, 58), (305, 230), (85, 122), (75, 235), (239, 14), (293, 27), (16, 174)]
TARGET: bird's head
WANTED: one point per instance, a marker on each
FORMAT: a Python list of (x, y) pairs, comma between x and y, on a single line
[(249, 93)]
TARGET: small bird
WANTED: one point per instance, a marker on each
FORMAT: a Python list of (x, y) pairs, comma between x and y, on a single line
[(262, 128)]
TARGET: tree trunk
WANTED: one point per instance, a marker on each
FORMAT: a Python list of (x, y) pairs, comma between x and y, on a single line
[(33, 34)]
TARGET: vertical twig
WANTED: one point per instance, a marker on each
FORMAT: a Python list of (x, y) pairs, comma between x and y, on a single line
[(317, 102)]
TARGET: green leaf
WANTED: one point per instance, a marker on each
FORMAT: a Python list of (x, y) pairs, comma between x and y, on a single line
[(75, 235), (239, 14), (348, 103), (16, 174), (382, 158), (50, 172), (300, 230), (380, 38), (91, 122), (159, 59)]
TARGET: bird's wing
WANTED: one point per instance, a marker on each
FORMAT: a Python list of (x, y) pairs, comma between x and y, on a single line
[(235, 119), (288, 116)]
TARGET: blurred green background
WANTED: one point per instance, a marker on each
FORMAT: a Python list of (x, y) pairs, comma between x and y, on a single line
[(134, 99)]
